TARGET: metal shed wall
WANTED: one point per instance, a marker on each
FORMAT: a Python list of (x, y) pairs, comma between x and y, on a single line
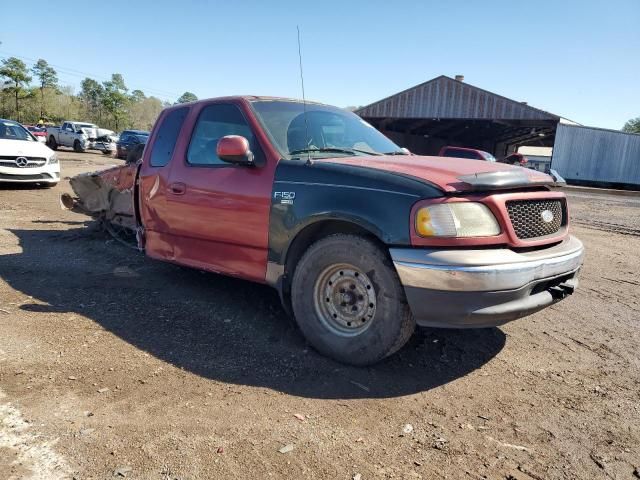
[(594, 155)]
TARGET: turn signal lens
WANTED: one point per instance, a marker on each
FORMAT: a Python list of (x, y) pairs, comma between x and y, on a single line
[(462, 219)]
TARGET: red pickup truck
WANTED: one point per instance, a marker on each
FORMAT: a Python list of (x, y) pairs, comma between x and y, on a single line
[(361, 239)]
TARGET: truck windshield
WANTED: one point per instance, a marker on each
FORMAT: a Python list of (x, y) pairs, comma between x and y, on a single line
[(325, 132), (14, 131)]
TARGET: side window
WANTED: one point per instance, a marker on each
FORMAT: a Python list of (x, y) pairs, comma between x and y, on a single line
[(124, 138), (214, 122), (167, 136)]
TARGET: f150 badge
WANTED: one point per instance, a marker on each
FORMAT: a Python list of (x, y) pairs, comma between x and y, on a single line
[(285, 197)]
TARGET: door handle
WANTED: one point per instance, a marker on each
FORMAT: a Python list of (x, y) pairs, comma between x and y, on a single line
[(177, 188)]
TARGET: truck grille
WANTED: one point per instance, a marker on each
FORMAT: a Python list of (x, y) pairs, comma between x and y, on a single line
[(527, 217)]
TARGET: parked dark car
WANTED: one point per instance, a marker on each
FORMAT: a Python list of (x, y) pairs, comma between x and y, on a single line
[(471, 153), (517, 159), (129, 139)]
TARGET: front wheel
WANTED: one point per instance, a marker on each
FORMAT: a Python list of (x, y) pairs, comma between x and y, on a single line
[(348, 300), (77, 147)]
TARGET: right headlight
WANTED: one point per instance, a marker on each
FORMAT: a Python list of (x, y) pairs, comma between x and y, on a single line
[(456, 219), (53, 159)]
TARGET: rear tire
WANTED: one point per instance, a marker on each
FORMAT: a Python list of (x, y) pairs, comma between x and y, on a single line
[(77, 147), (348, 300), (53, 145)]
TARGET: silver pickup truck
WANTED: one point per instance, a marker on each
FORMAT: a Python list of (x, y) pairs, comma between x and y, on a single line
[(81, 136)]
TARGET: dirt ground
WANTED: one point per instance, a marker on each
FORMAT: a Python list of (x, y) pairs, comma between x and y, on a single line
[(114, 365)]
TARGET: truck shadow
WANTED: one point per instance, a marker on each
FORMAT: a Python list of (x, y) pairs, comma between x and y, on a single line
[(218, 327)]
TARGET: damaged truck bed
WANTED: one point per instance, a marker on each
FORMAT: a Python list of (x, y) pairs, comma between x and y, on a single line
[(106, 195)]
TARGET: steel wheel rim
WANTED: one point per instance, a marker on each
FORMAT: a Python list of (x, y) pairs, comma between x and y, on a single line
[(345, 300)]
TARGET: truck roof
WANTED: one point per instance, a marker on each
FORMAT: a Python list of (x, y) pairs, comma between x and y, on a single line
[(250, 98)]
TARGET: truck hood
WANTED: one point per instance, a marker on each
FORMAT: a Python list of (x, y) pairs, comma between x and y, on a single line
[(16, 148), (90, 132), (450, 174)]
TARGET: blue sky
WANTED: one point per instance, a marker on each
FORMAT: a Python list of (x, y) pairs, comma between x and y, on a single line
[(578, 59)]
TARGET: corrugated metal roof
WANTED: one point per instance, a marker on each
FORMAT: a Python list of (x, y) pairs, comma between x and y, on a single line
[(446, 98), (597, 155)]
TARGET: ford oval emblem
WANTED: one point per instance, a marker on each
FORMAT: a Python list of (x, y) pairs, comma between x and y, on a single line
[(547, 216)]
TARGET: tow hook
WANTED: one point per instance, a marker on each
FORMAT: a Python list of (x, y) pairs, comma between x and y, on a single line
[(561, 291)]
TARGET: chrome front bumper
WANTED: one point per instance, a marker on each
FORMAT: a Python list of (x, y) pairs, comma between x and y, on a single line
[(485, 287)]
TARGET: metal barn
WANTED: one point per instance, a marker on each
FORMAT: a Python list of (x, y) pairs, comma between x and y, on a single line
[(447, 111)]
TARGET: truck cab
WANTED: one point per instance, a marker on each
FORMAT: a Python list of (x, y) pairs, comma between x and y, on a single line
[(361, 240)]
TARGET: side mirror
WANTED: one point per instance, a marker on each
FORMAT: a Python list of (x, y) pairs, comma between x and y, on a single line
[(234, 149)]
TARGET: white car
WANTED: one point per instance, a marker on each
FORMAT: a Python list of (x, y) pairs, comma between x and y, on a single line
[(25, 160)]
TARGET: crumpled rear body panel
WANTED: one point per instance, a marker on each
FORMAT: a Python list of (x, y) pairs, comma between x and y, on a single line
[(106, 195)]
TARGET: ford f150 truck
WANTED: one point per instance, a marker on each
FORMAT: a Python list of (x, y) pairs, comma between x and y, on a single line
[(81, 136), (361, 240)]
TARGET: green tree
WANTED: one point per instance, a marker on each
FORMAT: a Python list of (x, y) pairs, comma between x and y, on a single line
[(144, 113), (4, 98), (137, 96), (115, 99), (18, 77), (187, 97), (632, 126), (47, 78), (92, 93)]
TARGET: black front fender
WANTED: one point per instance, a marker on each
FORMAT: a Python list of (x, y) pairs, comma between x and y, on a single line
[(376, 201)]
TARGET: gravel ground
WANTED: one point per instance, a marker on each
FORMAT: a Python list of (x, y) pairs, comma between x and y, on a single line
[(115, 365)]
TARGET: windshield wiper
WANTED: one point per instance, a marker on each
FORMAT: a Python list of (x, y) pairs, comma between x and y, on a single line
[(351, 151), (396, 152)]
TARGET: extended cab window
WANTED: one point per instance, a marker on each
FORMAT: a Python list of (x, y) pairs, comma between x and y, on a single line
[(167, 136), (216, 121)]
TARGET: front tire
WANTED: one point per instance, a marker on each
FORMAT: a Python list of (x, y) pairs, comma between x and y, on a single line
[(348, 301), (77, 147)]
